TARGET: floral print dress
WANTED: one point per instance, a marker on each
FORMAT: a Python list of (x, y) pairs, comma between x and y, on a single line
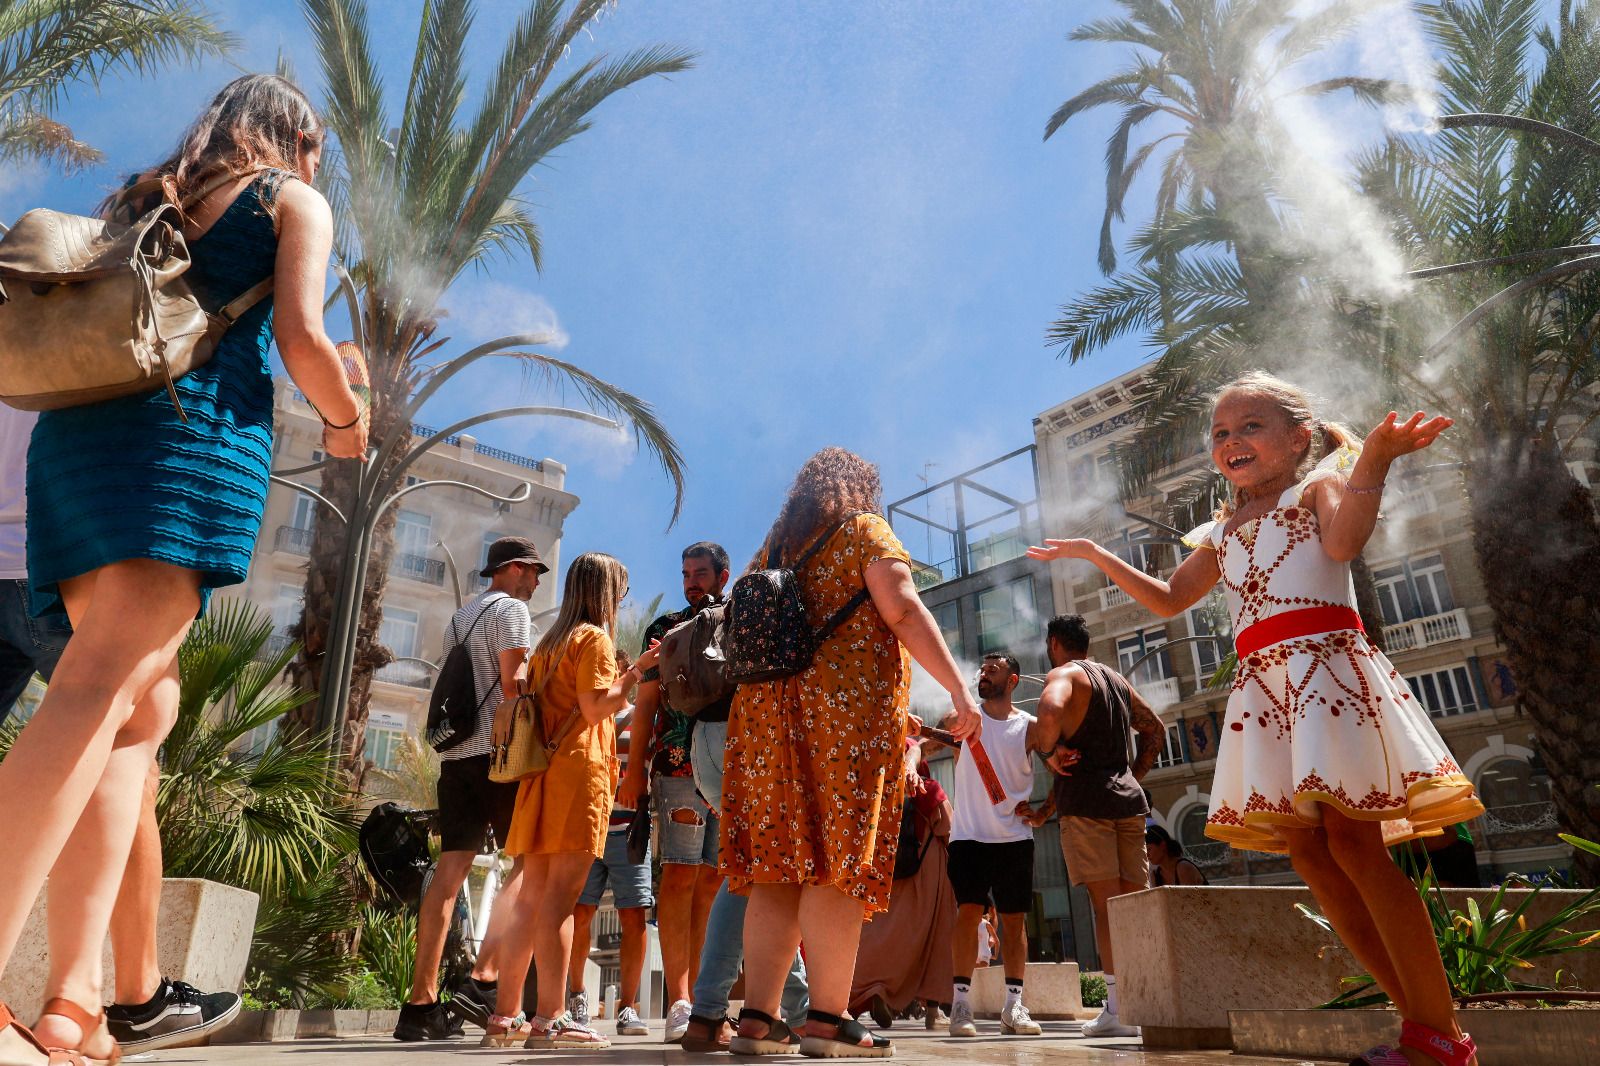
[(1320, 717), (813, 785)]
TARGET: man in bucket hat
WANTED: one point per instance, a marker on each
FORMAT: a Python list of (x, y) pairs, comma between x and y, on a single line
[(497, 631)]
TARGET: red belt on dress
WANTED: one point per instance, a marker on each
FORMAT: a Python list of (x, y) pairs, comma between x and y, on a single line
[(1306, 622)]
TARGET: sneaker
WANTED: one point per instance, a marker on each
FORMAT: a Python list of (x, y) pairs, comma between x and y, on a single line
[(426, 1021), (473, 1000), (178, 1015), (630, 1024), (1108, 1024), (933, 1017), (1016, 1021), (678, 1020), (578, 1007), (961, 1023)]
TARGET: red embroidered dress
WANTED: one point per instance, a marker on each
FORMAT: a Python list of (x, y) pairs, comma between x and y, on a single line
[(1316, 713)]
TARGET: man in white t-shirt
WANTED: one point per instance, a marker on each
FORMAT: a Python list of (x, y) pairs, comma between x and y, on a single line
[(991, 846)]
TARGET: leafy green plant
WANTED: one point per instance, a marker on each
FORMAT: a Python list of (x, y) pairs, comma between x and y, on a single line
[(388, 947), (1485, 948), (1093, 988)]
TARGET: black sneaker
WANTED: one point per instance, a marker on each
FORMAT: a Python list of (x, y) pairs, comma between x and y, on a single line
[(178, 1015), (426, 1021), (473, 1000)]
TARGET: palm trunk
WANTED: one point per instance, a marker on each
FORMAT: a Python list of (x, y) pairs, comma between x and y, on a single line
[(1538, 548)]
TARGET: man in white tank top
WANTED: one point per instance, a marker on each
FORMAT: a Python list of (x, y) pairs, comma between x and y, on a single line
[(991, 846)]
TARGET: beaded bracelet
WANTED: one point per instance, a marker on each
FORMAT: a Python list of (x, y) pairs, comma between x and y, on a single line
[(1373, 491)]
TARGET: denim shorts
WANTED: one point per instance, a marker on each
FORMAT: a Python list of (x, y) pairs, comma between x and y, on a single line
[(630, 884), (691, 843), (27, 644)]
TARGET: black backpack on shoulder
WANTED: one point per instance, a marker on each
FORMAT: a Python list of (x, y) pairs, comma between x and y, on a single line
[(768, 636), (454, 706)]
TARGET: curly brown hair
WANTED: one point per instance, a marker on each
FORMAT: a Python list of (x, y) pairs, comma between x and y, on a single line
[(832, 485)]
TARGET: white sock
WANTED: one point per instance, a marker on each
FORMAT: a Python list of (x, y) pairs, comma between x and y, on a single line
[(1013, 993), (961, 993), (1111, 993)]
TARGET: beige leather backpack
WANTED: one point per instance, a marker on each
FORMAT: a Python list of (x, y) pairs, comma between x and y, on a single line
[(91, 309)]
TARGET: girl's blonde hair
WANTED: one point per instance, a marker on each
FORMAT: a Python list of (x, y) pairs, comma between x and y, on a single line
[(1295, 403), (596, 583)]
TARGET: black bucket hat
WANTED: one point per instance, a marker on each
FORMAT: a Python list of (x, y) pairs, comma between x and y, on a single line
[(512, 550)]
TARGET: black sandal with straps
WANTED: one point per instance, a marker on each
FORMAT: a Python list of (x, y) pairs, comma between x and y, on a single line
[(845, 1043), (779, 1039)]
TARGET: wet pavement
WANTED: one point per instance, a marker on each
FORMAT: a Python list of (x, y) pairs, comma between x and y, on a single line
[(1061, 1043)]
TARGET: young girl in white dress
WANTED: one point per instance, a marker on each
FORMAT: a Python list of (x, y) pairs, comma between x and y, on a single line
[(1326, 754)]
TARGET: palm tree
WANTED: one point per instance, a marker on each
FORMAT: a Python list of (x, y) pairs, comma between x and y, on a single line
[(46, 46), (1519, 369), (419, 200)]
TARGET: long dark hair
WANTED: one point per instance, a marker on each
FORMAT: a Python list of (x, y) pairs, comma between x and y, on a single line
[(831, 485), (259, 120)]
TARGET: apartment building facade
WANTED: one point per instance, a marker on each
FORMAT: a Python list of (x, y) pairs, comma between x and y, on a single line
[(441, 538)]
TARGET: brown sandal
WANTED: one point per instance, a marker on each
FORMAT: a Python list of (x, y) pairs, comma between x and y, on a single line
[(19, 1047), (92, 1026)]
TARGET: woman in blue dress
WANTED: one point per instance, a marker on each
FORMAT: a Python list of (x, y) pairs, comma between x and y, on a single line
[(136, 514)]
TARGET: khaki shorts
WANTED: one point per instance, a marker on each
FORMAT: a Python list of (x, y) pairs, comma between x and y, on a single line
[(1104, 849)]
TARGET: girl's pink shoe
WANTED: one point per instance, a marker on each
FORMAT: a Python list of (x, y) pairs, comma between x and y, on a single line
[(1447, 1050)]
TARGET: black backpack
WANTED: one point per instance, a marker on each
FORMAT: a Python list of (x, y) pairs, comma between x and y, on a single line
[(394, 849), (768, 636), (455, 704), (909, 854)]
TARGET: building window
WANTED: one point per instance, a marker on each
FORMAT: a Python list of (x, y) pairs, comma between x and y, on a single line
[(1510, 782), (1138, 551), (398, 633), (1414, 589), (1210, 619), (383, 747), (948, 617), (1444, 692), (1007, 618), (1172, 750), (1138, 648), (1191, 827), (413, 533), (305, 512)]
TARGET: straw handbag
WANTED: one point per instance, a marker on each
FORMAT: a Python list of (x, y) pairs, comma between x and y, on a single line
[(526, 752)]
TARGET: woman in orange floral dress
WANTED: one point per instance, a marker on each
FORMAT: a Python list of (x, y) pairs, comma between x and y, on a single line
[(816, 762)]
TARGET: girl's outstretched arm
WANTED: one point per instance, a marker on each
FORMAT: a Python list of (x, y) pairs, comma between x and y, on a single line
[(1347, 511), (1194, 577)]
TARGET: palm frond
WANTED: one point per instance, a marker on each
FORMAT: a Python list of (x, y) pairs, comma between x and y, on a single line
[(30, 135)]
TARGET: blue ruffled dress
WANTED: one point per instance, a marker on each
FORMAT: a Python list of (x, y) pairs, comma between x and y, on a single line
[(128, 479)]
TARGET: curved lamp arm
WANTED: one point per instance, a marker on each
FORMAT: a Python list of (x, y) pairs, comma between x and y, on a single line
[(1504, 260), (313, 493), (522, 492), (1510, 292)]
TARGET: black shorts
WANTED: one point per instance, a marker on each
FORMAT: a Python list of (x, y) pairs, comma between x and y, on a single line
[(470, 804), (980, 872)]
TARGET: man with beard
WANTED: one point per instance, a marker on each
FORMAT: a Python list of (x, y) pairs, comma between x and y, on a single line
[(991, 843), (686, 826)]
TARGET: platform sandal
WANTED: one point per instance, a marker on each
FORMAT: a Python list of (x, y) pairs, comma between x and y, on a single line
[(845, 1043), (1446, 1049), (779, 1038), (92, 1026), (503, 1031), (563, 1031), (19, 1047)]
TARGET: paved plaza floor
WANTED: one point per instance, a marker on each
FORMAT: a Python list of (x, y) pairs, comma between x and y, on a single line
[(1061, 1043)]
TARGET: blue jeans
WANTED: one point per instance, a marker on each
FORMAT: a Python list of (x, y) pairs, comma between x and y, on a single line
[(723, 950), (28, 645)]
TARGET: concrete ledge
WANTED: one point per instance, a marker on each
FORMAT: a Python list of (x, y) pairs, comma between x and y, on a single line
[(1187, 956), (1051, 990), (202, 937), (268, 1026), (1557, 1034)]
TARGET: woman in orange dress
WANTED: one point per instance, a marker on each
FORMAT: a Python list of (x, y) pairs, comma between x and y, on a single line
[(562, 815), (815, 762)]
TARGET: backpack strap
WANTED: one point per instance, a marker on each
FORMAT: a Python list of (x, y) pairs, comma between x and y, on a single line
[(461, 642)]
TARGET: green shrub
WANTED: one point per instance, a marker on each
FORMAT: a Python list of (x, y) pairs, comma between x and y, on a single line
[(1093, 987), (362, 990), (388, 949)]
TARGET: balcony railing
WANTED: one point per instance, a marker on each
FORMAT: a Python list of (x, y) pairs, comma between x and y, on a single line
[(1520, 818), (1162, 692), (1112, 596), (274, 646), (412, 675), (418, 568), (1422, 632), (293, 539)]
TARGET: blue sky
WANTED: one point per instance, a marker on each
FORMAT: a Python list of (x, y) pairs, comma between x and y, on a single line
[(842, 227)]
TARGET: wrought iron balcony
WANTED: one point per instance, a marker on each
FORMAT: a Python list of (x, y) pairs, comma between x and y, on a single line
[(418, 568), (293, 539)]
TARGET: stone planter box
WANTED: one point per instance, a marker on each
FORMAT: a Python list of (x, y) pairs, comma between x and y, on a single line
[(267, 1026), (1187, 956), (1051, 990), (203, 937), (1558, 1034)]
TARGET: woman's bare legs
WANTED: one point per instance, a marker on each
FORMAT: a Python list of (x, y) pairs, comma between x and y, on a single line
[(780, 916), (128, 619), (771, 937), (541, 929)]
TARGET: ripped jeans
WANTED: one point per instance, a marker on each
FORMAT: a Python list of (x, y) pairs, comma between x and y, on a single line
[(686, 826)]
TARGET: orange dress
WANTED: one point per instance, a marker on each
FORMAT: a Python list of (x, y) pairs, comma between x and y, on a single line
[(813, 782), (568, 807)]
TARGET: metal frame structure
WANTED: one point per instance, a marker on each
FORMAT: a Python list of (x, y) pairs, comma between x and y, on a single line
[(960, 485)]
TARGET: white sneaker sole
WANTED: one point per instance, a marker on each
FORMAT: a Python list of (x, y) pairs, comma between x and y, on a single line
[(190, 1037)]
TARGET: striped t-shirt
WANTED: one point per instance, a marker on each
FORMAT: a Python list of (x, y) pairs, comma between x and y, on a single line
[(505, 625)]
